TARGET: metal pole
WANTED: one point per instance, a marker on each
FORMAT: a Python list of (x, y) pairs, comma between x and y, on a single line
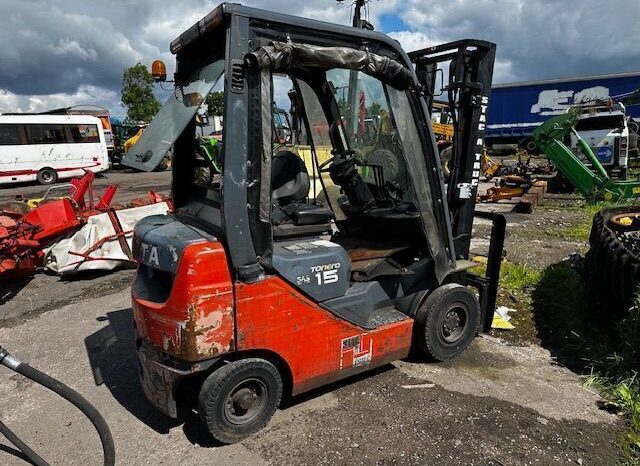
[(357, 15), (353, 75)]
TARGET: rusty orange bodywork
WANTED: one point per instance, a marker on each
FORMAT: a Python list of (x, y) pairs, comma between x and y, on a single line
[(196, 322), (318, 347), (199, 320)]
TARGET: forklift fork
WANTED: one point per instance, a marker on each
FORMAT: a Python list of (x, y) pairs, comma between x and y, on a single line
[(487, 286)]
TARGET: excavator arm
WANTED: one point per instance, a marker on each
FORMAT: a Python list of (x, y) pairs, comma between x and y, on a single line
[(593, 183)]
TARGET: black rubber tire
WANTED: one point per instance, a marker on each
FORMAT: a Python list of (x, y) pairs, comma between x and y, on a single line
[(47, 176), (431, 317), (164, 164), (219, 385), (614, 270)]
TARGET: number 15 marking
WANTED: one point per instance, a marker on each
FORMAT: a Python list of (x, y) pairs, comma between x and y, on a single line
[(327, 277)]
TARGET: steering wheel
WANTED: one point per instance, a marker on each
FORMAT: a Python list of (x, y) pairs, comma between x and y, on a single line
[(348, 155)]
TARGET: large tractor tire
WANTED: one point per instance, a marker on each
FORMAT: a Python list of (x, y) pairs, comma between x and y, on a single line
[(613, 259)]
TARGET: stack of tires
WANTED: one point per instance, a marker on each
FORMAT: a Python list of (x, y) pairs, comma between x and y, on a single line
[(613, 260)]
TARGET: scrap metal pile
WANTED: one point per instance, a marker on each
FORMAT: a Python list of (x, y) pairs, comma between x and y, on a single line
[(27, 240), (521, 180)]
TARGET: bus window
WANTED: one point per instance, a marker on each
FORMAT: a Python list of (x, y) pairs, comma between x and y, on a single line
[(46, 134), (83, 133), (12, 135)]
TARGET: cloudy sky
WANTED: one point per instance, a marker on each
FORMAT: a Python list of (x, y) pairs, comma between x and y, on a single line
[(57, 53)]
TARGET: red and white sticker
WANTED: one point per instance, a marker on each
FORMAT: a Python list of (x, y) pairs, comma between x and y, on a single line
[(356, 351)]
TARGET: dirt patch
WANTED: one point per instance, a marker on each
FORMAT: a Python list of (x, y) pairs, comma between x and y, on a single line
[(432, 426), (22, 300)]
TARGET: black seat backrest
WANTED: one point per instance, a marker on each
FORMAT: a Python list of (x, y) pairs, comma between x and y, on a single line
[(289, 178)]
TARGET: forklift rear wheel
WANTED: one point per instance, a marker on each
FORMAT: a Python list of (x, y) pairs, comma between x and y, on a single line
[(239, 398), (451, 316)]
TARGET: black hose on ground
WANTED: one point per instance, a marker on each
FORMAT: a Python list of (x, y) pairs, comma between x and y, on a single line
[(68, 394), (23, 447)]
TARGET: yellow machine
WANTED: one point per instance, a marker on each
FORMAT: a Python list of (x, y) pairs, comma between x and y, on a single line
[(441, 122), (132, 140), (489, 166)]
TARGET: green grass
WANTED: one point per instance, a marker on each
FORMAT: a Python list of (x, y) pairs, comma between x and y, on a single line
[(622, 397), (515, 278), (581, 230), (600, 343)]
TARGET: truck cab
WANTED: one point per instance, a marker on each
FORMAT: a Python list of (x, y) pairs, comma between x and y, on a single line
[(604, 128)]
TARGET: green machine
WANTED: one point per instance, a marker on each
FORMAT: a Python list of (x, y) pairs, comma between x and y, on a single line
[(592, 182)]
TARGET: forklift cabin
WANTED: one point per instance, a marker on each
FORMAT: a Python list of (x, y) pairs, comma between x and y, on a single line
[(254, 288)]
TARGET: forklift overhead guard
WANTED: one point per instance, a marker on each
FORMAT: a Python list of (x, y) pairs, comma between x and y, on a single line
[(284, 56)]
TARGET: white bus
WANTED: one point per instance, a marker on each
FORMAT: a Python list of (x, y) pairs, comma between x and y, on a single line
[(46, 148)]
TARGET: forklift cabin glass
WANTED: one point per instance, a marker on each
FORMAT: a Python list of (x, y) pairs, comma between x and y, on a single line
[(179, 109), (390, 192), (393, 158)]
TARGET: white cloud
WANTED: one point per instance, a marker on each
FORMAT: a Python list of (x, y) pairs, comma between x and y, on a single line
[(85, 95), (59, 52), (538, 38), (71, 47), (412, 40)]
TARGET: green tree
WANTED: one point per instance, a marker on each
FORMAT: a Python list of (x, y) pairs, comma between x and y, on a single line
[(137, 94), (374, 110), (215, 103)]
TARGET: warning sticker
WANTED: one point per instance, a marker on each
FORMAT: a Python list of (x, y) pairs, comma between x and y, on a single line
[(356, 351)]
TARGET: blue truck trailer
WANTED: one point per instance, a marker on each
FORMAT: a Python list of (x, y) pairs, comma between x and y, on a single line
[(516, 109)]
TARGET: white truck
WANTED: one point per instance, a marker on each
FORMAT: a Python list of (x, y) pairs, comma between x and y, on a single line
[(605, 128)]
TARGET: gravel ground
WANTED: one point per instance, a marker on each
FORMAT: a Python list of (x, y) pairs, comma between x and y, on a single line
[(131, 184), (496, 405)]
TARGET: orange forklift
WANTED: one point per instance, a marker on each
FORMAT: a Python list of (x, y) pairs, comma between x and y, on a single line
[(270, 279)]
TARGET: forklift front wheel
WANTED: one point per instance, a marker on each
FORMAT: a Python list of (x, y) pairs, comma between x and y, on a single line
[(239, 398), (449, 320)]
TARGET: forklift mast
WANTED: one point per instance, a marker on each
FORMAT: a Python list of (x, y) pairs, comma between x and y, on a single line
[(469, 86)]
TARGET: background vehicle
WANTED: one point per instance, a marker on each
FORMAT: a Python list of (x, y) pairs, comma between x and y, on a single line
[(92, 110), (519, 108), (50, 147), (253, 289), (589, 178), (133, 139), (441, 123), (122, 132), (604, 128)]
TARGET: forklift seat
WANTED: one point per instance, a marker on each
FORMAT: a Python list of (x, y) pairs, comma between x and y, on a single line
[(289, 178), (292, 214)]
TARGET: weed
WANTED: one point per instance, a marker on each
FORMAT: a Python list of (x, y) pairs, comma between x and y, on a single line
[(513, 277), (517, 277), (622, 397)]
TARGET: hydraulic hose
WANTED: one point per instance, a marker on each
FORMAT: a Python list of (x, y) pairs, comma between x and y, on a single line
[(68, 394)]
